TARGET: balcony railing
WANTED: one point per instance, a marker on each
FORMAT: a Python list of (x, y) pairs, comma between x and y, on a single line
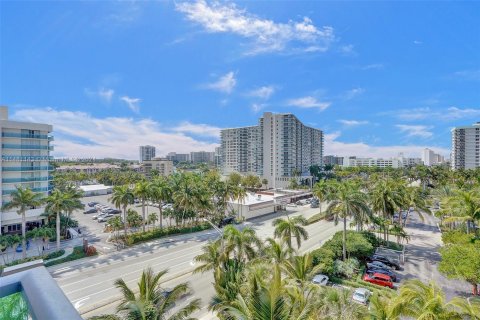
[(26, 135), (43, 189), (27, 158), (26, 179), (38, 168), (26, 146)]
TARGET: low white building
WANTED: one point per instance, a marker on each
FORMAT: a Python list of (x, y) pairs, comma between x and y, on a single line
[(395, 162), (95, 190)]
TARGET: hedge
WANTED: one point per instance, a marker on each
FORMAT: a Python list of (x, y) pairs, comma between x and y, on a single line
[(43, 257), (316, 217), (159, 233), (77, 253)]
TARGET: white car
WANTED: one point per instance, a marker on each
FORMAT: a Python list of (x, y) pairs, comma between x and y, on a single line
[(361, 295), (320, 279), (167, 206)]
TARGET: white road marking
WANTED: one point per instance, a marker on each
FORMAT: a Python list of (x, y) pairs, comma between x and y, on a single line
[(80, 302)]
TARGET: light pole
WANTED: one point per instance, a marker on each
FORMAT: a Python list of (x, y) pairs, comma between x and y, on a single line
[(220, 232)]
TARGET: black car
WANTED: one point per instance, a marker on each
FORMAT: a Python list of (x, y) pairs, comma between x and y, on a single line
[(114, 211), (91, 204), (90, 211), (226, 221), (385, 260), (387, 272)]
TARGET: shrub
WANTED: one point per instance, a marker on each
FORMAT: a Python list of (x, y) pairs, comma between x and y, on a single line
[(49, 256), (325, 258), (91, 251), (457, 237), (347, 268), (77, 253), (316, 217), (158, 233), (358, 246)]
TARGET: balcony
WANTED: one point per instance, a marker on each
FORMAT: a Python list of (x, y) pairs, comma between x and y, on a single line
[(26, 136), (43, 189), (39, 168), (26, 146), (26, 179), (27, 158)]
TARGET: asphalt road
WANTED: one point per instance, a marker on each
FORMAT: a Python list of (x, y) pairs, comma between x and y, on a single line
[(89, 283)]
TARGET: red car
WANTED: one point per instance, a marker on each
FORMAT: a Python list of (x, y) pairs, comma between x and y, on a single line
[(379, 279)]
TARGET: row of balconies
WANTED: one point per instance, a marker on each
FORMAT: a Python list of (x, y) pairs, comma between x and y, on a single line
[(27, 136), (30, 168), (26, 179), (26, 158), (26, 146), (42, 189)]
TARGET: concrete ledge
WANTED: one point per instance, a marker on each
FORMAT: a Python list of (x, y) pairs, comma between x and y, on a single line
[(21, 267)]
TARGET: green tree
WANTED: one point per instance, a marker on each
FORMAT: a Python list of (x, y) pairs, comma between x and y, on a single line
[(142, 192), (152, 218), (300, 269), (289, 228), (346, 202), (23, 199), (160, 192), (241, 245), (57, 202), (461, 261), (467, 308), (122, 197), (321, 191)]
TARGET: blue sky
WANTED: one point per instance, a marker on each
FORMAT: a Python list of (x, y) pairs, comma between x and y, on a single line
[(378, 77)]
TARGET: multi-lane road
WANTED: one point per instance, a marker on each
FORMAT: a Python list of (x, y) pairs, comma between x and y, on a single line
[(90, 284)]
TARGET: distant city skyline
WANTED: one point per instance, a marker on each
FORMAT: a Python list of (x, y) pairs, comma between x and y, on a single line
[(379, 78)]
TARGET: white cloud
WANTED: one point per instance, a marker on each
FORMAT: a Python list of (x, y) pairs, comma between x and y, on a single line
[(347, 49), (350, 94), (473, 74), (308, 102), (445, 114), (225, 83), (417, 42), (361, 149), (80, 135), (104, 94), (373, 66), (132, 103), (257, 107), (262, 92), (266, 35), (415, 130), (198, 129), (353, 123)]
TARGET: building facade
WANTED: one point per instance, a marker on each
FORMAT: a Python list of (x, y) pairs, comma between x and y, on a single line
[(430, 158), (178, 157), (333, 160), (202, 157), (25, 162), (278, 149), (146, 153), (466, 147), (396, 162), (162, 165)]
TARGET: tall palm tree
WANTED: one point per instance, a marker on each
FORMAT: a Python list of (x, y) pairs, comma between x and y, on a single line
[(467, 308), (74, 195), (152, 302), (160, 192), (211, 257), (57, 203), (347, 201), (142, 192), (300, 269), (420, 301), (23, 199), (286, 229), (241, 245), (465, 206), (379, 308), (417, 199), (321, 191), (276, 252), (337, 305), (122, 196)]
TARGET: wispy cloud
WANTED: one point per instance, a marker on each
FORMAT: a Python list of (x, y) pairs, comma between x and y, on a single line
[(79, 134), (444, 114), (257, 107), (266, 35), (132, 103), (373, 66), (308, 102), (415, 130), (263, 92), (224, 84), (353, 123), (103, 94), (362, 149), (348, 49), (473, 74), (352, 93), (198, 129), (417, 42)]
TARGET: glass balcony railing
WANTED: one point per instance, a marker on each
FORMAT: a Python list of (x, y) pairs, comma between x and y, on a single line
[(38, 168), (26, 146), (26, 179), (26, 135), (43, 189), (27, 158)]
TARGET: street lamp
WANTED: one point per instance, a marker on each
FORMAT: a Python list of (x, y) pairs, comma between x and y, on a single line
[(220, 232)]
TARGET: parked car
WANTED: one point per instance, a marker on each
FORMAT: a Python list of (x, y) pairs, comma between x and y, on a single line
[(105, 217), (91, 204), (361, 295), (90, 211), (320, 279), (167, 206), (97, 216), (114, 211), (378, 279), (378, 264), (314, 204), (387, 272), (226, 221), (105, 210), (404, 215), (19, 247), (385, 260)]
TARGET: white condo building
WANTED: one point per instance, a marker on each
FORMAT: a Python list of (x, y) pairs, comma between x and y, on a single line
[(430, 158), (147, 153), (25, 161), (277, 149), (396, 162), (466, 147)]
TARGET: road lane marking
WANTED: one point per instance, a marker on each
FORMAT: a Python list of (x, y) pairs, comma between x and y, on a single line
[(79, 302)]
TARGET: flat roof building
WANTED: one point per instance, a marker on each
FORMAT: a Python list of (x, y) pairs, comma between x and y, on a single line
[(163, 166), (466, 147)]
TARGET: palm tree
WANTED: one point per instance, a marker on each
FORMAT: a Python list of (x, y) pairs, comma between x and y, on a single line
[(420, 301), (277, 252), (152, 302), (160, 192), (58, 202), (465, 206), (152, 218), (211, 257), (74, 195), (300, 268), (346, 201), (337, 304), (23, 199), (417, 199), (142, 192), (321, 191), (286, 229), (116, 224), (467, 308), (242, 245), (122, 196), (379, 308)]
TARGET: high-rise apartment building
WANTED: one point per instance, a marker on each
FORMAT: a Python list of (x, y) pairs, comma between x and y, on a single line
[(202, 157), (430, 158), (178, 157), (466, 147), (333, 160), (278, 148), (25, 162), (146, 153)]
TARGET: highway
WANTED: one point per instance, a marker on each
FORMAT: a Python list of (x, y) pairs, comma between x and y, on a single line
[(89, 284)]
